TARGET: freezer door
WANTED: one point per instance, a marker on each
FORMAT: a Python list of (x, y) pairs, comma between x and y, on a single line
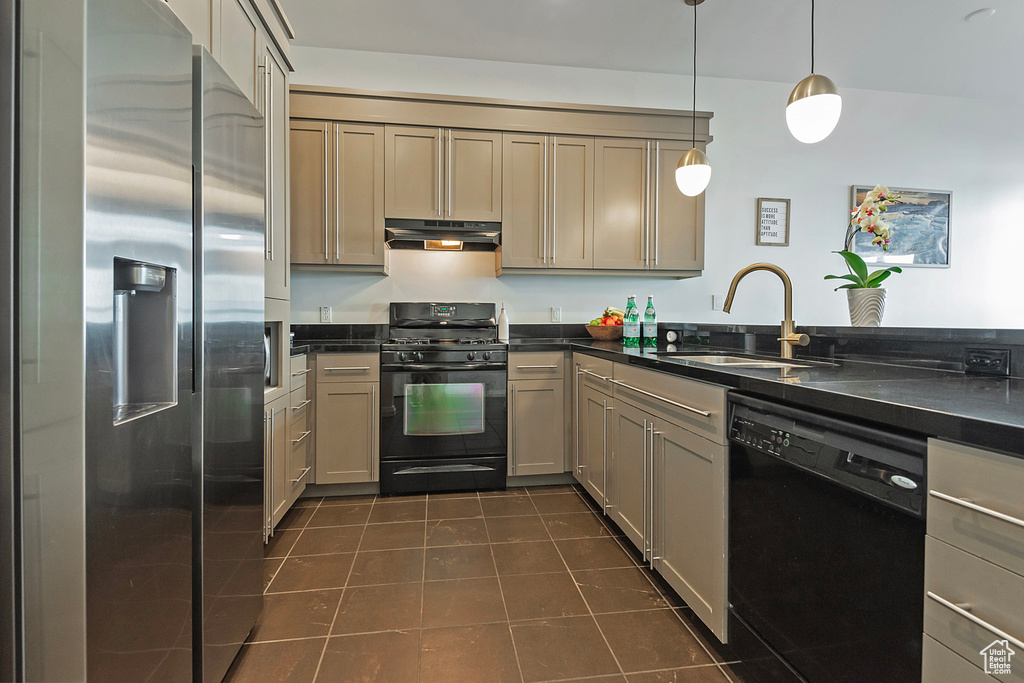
[(139, 369)]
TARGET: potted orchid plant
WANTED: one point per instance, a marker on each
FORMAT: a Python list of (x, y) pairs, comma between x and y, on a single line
[(865, 295)]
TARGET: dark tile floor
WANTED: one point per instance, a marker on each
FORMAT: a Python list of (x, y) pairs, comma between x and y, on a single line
[(524, 585)]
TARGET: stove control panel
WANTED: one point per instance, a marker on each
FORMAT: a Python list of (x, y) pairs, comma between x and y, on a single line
[(443, 310)]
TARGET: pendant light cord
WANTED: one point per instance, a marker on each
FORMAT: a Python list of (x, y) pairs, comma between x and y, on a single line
[(693, 118), (812, 36)]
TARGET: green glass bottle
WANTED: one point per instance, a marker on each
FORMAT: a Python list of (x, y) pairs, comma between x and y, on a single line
[(650, 329), (631, 325)]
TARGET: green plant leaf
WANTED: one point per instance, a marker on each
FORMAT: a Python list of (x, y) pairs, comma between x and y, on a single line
[(847, 287), (877, 277), (856, 264), (852, 278)]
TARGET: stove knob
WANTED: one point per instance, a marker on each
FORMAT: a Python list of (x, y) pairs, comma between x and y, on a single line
[(419, 355), (487, 355), (470, 356), (401, 355)]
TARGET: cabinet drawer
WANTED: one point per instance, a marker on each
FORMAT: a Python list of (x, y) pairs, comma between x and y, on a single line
[(599, 366), (538, 365), (680, 400), (942, 665), (300, 406), (299, 371), (348, 367), (985, 489), (988, 593)]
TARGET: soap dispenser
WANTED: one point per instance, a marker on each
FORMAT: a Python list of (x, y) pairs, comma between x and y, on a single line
[(502, 325)]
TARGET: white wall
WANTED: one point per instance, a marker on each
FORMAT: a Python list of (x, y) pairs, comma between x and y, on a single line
[(973, 148)]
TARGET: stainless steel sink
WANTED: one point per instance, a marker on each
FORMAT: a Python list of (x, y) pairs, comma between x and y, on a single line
[(733, 361)]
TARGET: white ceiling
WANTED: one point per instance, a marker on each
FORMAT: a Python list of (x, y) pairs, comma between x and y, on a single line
[(917, 46)]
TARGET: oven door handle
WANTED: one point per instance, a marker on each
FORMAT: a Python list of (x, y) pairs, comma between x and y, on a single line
[(448, 367)]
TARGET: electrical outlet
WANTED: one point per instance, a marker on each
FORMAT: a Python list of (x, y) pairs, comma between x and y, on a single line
[(325, 314), (556, 314), (717, 301), (987, 361)]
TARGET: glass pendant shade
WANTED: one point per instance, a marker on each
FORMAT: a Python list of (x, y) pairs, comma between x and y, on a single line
[(814, 109), (693, 173)]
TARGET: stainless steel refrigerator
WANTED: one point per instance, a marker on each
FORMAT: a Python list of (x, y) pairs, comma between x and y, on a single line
[(228, 454)]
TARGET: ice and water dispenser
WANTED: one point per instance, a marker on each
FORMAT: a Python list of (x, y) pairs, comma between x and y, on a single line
[(145, 362)]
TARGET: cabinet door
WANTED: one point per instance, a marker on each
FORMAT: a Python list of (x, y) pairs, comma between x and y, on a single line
[(473, 175), (236, 45), (620, 203), (347, 440), (413, 171), (276, 197), (359, 194), (690, 520), (280, 481), (311, 167), (524, 201), (195, 14), (628, 474), (676, 234), (536, 424), (299, 438), (571, 200), (594, 440)]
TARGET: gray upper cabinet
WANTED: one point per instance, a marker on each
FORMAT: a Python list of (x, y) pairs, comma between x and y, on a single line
[(547, 202), (621, 216), (338, 195), (443, 174), (236, 44), (359, 195), (274, 105), (196, 16), (311, 198), (676, 233)]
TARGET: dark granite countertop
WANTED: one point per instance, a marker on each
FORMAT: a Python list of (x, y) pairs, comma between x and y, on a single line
[(983, 411), (342, 345), (299, 350)]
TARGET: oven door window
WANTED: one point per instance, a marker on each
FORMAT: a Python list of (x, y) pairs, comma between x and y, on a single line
[(444, 409)]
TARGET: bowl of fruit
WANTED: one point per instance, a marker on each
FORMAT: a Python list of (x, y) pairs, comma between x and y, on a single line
[(607, 327)]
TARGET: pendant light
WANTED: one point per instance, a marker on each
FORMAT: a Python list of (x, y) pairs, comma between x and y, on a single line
[(814, 105), (694, 170)]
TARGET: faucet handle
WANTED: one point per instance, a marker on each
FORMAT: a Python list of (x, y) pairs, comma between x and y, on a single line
[(794, 339)]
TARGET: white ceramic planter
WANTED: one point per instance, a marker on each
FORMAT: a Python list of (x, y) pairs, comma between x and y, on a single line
[(866, 306)]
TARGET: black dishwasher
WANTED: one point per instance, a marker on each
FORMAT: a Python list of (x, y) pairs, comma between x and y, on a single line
[(826, 541)]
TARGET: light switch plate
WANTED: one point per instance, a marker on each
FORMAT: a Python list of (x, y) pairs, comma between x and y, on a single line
[(325, 314), (556, 314), (717, 301)]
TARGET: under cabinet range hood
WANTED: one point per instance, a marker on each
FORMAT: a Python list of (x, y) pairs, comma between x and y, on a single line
[(442, 235)]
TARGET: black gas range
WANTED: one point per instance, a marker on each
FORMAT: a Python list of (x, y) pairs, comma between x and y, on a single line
[(443, 399)]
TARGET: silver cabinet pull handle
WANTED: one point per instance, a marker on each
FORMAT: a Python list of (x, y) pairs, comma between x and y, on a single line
[(448, 182), (579, 467), (554, 195), (697, 411), (302, 405), (657, 196), (971, 505), (604, 457), (544, 216), (327, 192), (300, 373), (594, 374), (299, 440), (980, 622), (647, 205), (647, 519), (305, 471), (535, 367), (361, 367), (440, 172), (338, 145), (661, 526), (512, 425)]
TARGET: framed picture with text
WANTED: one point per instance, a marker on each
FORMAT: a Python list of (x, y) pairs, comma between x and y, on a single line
[(920, 229), (772, 222)]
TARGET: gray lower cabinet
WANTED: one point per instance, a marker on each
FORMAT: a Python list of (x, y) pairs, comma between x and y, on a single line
[(275, 461), (973, 564), (629, 473), (689, 545), (595, 405), (536, 419), (347, 439)]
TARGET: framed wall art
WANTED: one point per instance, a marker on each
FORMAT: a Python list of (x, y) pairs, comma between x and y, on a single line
[(772, 222), (919, 221)]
